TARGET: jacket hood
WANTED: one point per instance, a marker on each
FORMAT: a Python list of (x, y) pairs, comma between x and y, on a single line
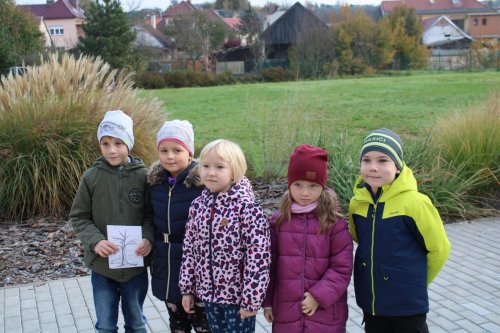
[(242, 190), (190, 177), (135, 162), (403, 183)]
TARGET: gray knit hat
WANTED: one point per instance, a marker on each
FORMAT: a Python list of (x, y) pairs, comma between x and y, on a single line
[(180, 131), (117, 125), (387, 142)]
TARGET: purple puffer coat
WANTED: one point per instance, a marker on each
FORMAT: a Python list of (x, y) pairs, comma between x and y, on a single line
[(305, 260)]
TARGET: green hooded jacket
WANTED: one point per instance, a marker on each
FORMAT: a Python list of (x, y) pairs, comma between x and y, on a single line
[(110, 195)]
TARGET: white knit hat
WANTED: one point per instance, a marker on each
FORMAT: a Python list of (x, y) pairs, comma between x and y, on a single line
[(117, 125), (180, 131)]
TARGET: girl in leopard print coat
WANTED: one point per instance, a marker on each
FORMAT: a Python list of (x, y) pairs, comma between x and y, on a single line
[(226, 250)]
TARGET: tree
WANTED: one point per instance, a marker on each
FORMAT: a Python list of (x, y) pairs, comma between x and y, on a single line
[(251, 27), (20, 36), (407, 32), (197, 35), (361, 45), (107, 33)]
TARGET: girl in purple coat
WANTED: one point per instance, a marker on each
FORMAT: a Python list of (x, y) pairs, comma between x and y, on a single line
[(311, 252)]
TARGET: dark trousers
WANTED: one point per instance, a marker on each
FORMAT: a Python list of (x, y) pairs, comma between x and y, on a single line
[(381, 324), (225, 318), (182, 322)]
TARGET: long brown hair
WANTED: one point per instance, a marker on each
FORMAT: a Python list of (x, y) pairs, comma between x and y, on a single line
[(327, 212)]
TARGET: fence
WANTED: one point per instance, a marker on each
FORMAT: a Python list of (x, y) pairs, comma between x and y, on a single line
[(463, 60)]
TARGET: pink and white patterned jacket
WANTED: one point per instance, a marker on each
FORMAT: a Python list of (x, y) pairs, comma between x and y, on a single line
[(227, 248)]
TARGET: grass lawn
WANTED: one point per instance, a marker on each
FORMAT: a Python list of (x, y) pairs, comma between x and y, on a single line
[(262, 116)]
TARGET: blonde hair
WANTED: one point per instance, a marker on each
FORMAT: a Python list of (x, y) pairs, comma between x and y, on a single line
[(231, 153), (327, 211)]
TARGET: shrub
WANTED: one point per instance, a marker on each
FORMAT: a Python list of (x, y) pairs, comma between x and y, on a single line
[(469, 140), (149, 80), (176, 79), (48, 125), (277, 74)]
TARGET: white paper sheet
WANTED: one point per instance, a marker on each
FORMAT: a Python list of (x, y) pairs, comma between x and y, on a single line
[(127, 238)]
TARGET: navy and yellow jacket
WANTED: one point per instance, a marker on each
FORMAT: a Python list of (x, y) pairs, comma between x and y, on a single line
[(402, 246)]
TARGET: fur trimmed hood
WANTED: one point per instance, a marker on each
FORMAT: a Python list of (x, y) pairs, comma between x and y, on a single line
[(157, 174)]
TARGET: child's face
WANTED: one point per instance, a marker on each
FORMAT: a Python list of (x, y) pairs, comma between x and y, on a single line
[(173, 157), (304, 192), (378, 169), (114, 150), (216, 174)]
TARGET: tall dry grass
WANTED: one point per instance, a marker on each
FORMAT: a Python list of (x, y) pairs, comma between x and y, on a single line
[(471, 140), (48, 124)]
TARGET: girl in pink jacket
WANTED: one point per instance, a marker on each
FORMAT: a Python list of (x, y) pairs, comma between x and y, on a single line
[(226, 251), (311, 252)]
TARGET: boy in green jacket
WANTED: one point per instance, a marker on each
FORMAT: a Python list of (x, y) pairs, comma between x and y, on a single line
[(114, 192), (402, 244)]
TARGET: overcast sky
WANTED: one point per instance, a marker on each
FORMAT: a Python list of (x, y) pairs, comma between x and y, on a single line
[(163, 4)]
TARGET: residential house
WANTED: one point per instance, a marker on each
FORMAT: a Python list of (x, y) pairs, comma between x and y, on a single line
[(473, 17), (180, 58), (287, 29), (442, 33), (153, 45), (63, 19)]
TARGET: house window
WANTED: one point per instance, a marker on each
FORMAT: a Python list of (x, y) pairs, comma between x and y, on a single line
[(57, 30), (484, 21), (459, 23), (475, 22)]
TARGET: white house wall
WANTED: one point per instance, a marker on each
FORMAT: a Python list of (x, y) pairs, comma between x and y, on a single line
[(145, 39), (70, 37), (441, 33)]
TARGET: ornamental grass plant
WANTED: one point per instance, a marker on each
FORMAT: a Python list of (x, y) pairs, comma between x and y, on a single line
[(470, 140), (48, 125)]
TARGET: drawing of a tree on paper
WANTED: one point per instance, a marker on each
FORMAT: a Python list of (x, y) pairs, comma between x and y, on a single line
[(127, 238)]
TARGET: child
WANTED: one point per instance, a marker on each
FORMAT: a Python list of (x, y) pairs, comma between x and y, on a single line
[(174, 185), (226, 254), (311, 251), (402, 244), (113, 192)]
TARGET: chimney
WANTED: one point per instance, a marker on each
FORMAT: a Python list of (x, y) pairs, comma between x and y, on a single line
[(50, 2), (153, 21), (456, 2)]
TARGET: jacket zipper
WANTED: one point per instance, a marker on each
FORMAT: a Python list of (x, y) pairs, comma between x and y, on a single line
[(374, 217), (168, 245), (120, 192), (212, 214), (303, 267)]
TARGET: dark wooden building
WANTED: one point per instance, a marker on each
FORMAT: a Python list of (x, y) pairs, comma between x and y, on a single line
[(287, 29)]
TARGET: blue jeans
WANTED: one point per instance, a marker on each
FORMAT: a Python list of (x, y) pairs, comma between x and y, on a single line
[(226, 319), (107, 294)]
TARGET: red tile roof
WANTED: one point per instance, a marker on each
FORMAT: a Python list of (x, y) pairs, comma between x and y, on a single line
[(57, 10), (389, 6), (232, 21), (183, 7)]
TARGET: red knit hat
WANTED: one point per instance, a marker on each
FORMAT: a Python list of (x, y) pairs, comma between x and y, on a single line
[(308, 163)]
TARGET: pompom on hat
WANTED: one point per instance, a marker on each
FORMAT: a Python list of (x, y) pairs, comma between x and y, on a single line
[(118, 125), (180, 131), (386, 141), (308, 163)]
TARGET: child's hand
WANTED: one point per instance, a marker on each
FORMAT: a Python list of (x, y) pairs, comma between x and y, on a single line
[(144, 248), (268, 314), (188, 303), (246, 314), (105, 248), (172, 307), (309, 304)]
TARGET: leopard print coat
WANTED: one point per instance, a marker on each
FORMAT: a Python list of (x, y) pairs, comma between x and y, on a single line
[(226, 251)]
